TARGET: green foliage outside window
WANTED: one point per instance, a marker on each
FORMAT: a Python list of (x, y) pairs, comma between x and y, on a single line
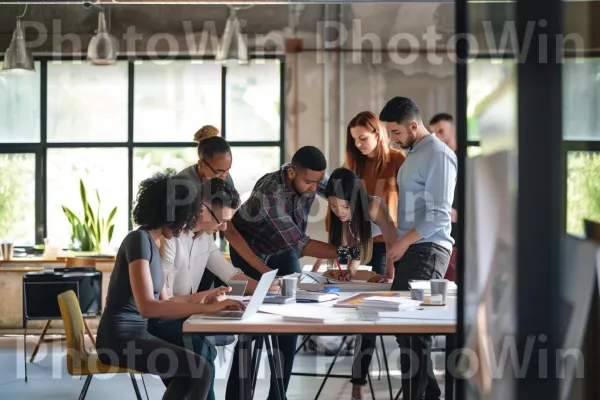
[(583, 189)]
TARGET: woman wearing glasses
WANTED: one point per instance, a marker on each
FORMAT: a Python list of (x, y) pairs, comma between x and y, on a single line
[(186, 258), (214, 161), (166, 207)]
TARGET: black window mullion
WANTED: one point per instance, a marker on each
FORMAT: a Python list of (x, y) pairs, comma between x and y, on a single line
[(282, 111), (41, 149), (130, 152), (224, 102), (41, 167)]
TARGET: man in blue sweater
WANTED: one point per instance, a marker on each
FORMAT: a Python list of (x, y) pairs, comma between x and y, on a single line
[(426, 182)]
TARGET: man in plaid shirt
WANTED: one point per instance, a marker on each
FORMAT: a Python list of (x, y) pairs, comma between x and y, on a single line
[(273, 223)]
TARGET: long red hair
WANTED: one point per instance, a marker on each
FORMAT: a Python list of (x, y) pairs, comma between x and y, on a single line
[(355, 160)]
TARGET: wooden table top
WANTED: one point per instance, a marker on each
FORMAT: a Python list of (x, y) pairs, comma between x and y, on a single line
[(261, 323)]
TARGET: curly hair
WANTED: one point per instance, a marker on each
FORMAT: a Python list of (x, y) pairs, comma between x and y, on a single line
[(167, 200), (207, 131)]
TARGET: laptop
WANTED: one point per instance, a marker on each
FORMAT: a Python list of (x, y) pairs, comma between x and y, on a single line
[(238, 288), (253, 305)]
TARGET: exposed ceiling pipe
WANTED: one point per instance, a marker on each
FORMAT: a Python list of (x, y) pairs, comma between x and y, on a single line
[(342, 94), (170, 2), (326, 102)]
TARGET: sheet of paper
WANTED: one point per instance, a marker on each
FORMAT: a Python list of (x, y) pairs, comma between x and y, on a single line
[(425, 285), (301, 310), (427, 314)]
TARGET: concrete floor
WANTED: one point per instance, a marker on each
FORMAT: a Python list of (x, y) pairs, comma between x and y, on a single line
[(48, 377)]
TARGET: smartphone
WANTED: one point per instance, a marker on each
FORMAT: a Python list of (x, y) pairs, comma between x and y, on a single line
[(238, 288)]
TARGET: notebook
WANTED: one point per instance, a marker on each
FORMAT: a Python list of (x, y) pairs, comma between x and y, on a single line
[(315, 297)]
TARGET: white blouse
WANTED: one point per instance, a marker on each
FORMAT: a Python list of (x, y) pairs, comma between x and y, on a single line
[(185, 259)]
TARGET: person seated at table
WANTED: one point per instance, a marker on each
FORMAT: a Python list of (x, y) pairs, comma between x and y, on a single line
[(185, 259), (273, 223), (354, 217), (169, 207), (214, 161)]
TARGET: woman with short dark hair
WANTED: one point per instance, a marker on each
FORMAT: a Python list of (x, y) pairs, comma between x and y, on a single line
[(166, 205)]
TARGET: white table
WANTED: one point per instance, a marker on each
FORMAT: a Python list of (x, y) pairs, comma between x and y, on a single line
[(268, 324)]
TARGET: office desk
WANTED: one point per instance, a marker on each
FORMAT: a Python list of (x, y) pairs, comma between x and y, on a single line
[(268, 324)]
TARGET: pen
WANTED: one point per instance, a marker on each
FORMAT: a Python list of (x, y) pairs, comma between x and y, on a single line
[(339, 267)]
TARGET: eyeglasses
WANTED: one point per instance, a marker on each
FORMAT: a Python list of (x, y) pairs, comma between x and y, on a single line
[(218, 172), (219, 222)]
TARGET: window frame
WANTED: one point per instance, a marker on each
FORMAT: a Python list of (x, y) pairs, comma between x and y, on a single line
[(568, 145), (40, 149)]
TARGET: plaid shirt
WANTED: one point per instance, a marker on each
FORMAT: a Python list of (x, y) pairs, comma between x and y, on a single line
[(274, 218)]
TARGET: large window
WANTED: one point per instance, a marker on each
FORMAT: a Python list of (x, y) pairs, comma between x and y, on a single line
[(581, 131), (111, 127), (491, 114)]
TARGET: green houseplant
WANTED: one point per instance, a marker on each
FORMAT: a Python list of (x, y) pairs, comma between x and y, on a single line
[(90, 230)]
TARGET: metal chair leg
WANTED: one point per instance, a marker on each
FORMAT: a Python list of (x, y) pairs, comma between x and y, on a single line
[(387, 369), (86, 386), (25, 351), (138, 395), (40, 341), (145, 389)]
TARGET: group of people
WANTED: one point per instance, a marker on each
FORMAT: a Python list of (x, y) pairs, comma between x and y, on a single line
[(390, 209)]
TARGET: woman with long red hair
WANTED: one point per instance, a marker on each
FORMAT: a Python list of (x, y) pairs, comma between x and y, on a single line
[(370, 157)]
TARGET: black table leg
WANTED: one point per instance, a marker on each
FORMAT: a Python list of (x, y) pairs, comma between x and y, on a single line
[(273, 360), (256, 355), (387, 368), (450, 369), (244, 342), (331, 366)]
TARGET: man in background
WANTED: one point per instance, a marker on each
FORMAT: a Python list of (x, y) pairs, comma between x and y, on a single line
[(442, 125), (426, 182)]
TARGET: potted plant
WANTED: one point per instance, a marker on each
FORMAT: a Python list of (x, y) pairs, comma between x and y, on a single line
[(91, 231)]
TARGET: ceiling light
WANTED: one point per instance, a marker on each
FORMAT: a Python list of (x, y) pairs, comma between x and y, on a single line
[(18, 58), (233, 48), (103, 48)]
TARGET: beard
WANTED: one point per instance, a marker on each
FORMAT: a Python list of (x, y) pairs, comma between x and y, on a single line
[(295, 187), (410, 141)]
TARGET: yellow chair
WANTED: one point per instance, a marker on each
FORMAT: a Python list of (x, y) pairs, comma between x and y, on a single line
[(80, 362)]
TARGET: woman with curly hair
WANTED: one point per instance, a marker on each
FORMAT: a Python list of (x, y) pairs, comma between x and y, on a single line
[(167, 206)]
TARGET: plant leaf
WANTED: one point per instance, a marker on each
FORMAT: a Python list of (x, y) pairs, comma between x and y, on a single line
[(111, 216), (84, 201), (110, 232)]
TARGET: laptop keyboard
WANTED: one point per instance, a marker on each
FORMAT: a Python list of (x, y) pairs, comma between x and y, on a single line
[(234, 314)]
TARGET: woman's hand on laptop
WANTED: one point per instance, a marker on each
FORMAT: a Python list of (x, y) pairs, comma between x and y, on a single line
[(225, 305), (216, 295)]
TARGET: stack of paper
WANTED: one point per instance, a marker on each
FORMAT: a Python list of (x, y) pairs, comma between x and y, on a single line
[(304, 313), (381, 303), (323, 318), (426, 286)]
